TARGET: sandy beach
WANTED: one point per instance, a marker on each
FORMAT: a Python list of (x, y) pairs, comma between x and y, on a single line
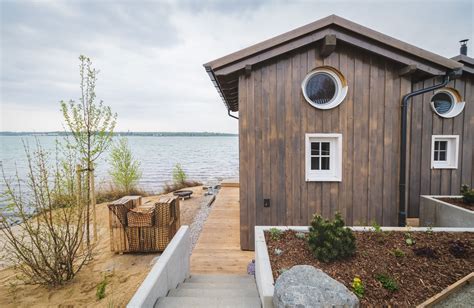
[(125, 272)]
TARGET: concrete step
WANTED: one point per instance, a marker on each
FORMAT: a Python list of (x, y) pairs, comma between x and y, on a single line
[(214, 293), (220, 278), (218, 285), (200, 302)]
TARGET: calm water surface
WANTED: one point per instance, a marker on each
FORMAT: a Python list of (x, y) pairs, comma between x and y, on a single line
[(206, 159)]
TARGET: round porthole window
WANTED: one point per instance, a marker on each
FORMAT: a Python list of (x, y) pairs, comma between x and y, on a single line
[(324, 87), (447, 103)]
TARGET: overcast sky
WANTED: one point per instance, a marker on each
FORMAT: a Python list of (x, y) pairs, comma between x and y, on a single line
[(150, 53)]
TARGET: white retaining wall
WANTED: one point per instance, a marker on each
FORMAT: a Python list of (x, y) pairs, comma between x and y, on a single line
[(171, 269), (437, 213)]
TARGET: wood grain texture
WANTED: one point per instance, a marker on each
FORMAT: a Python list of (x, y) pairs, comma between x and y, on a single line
[(275, 118), (218, 250), (441, 181)]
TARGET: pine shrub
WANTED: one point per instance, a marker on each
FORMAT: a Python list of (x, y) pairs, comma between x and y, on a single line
[(330, 240), (467, 194)]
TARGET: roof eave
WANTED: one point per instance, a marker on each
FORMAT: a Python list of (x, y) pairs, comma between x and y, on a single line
[(340, 22)]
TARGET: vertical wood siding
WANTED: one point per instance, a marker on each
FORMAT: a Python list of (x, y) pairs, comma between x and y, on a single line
[(424, 123), (274, 118)]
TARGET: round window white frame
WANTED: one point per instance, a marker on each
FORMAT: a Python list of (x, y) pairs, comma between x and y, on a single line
[(341, 87), (457, 105)]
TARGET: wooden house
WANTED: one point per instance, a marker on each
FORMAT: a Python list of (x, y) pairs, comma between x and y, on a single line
[(336, 117)]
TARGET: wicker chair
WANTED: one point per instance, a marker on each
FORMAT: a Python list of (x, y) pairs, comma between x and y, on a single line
[(143, 228)]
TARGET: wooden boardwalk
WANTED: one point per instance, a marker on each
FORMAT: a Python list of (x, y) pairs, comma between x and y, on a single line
[(218, 248)]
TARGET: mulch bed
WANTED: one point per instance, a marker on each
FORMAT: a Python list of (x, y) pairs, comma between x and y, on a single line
[(418, 276), (458, 202)]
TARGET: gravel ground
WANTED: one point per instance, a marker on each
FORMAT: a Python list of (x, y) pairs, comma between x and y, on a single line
[(462, 298), (199, 220)]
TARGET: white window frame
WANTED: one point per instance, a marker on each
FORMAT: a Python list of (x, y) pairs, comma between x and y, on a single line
[(457, 104), (334, 174), (452, 153), (340, 84)]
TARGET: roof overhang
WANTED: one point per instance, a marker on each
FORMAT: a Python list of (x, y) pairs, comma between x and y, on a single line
[(468, 63), (224, 71)]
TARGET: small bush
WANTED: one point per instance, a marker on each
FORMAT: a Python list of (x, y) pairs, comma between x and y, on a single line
[(387, 282), (275, 234), (330, 240), (427, 252), (467, 194), (459, 249), (398, 253), (179, 176), (376, 227), (100, 292), (409, 239), (124, 168), (358, 287)]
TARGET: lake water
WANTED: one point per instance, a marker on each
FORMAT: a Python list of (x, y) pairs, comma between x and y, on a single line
[(205, 159)]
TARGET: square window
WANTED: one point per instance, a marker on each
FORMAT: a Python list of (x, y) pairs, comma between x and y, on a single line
[(323, 157), (444, 153)]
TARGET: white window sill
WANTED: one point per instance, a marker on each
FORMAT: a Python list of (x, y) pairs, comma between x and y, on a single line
[(324, 179), (443, 167)]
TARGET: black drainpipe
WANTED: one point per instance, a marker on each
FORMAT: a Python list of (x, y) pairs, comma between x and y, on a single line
[(402, 215)]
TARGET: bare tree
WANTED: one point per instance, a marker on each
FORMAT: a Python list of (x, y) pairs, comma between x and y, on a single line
[(47, 245), (91, 124)]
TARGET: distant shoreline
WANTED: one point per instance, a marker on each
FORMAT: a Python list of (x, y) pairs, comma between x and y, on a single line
[(127, 134)]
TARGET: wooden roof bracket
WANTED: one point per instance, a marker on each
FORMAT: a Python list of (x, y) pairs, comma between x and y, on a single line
[(248, 70), (329, 45), (408, 70)]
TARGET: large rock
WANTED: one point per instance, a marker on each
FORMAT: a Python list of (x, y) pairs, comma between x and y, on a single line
[(306, 286)]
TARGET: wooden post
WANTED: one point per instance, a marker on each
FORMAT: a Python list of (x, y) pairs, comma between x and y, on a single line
[(92, 197), (78, 196)]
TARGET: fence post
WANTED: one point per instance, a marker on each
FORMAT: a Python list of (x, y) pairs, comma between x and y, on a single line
[(92, 197)]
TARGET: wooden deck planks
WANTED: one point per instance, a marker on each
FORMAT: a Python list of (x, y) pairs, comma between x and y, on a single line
[(218, 248)]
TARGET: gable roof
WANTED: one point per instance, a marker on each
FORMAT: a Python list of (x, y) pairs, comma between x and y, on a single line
[(224, 71)]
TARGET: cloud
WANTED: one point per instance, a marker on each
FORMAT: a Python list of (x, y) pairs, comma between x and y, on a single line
[(150, 53)]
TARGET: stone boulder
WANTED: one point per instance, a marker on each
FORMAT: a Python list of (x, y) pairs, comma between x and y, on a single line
[(305, 286)]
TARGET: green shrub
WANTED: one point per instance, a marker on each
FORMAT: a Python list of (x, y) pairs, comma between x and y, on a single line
[(376, 227), (409, 239), (467, 194), (398, 253), (179, 176), (124, 168), (387, 282), (275, 234), (100, 292), (330, 240)]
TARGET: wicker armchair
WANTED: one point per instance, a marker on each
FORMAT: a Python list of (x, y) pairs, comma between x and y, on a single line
[(142, 228)]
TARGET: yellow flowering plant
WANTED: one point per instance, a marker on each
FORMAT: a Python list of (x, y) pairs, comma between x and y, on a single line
[(358, 287)]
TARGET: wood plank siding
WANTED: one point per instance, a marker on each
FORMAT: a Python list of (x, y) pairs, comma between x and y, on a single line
[(424, 123), (263, 83), (274, 118)]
